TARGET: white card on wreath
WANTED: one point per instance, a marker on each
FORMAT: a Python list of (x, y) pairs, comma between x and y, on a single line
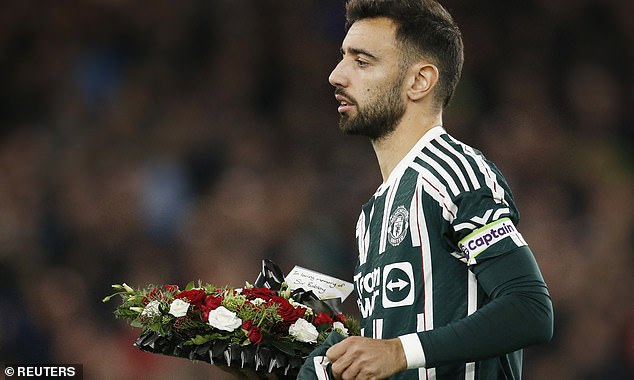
[(324, 286)]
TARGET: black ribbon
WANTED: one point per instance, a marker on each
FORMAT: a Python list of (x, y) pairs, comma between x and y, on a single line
[(243, 361), (271, 277)]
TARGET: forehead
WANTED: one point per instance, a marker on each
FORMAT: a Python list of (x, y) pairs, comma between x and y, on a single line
[(375, 35)]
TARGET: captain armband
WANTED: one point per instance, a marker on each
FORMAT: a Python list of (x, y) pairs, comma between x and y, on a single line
[(484, 237)]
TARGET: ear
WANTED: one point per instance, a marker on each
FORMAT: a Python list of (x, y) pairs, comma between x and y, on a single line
[(424, 77)]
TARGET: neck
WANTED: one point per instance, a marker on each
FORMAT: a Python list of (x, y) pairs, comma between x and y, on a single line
[(391, 149)]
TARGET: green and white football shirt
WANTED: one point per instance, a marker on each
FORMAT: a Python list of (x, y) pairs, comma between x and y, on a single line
[(443, 209)]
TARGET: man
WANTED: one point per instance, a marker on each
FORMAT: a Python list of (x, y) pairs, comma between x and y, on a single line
[(446, 285)]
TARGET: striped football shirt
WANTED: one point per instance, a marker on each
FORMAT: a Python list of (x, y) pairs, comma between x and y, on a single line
[(442, 209)]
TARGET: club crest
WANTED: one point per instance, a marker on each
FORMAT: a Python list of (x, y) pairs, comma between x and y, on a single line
[(398, 225)]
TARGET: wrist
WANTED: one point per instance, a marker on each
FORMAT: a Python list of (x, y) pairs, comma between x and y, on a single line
[(400, 359)]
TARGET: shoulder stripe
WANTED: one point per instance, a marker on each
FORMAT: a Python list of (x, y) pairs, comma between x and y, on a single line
[(490, 179), (452, 164), (446, 177), (437, 191), (465, 164)]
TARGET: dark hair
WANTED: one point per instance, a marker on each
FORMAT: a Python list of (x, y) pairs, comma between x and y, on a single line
[(424, 30)]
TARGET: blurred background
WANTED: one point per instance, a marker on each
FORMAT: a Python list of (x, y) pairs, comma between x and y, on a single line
[(162, 142)]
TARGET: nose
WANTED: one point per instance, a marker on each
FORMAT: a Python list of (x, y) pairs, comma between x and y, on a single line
[(337, 77)]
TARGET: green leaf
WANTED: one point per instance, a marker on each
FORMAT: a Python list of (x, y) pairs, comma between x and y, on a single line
[(202, 339), (190, 285), (285, 346)]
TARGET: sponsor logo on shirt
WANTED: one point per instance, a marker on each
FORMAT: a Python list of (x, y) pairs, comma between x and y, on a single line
[(393, 285)]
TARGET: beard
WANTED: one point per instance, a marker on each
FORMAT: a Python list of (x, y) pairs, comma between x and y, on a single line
[(377, 118)]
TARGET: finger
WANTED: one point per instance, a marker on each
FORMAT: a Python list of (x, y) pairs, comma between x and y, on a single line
[(340, 366), (351, 372), (337, 350)]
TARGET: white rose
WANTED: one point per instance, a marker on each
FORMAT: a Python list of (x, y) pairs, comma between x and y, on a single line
[(304, 331), (151, 309), (340, 328), (224, 319), (179, 308)]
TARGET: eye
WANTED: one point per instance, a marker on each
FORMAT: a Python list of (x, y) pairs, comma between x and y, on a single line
[(361, 63)]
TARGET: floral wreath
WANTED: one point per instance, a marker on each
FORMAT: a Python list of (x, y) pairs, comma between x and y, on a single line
[(264, 328)]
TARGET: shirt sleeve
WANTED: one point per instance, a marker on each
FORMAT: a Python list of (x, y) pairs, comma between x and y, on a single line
[(484, 221), (414, 353), (518, 314)]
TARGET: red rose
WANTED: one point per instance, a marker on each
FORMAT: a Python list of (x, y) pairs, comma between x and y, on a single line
[(194, 297), (253, 332), (246, 325), (171, 288), (264, 293), (255, 335), (323, 319), (341, 318), (287, 311), (211, 303), (152, 294)]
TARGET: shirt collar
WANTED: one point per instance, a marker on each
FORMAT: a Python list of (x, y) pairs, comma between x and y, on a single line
[(400, 168)]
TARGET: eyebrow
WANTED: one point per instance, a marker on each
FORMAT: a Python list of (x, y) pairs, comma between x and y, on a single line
[(358, 51)]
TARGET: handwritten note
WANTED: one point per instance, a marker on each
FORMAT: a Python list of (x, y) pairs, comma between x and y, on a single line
[(322, 285)]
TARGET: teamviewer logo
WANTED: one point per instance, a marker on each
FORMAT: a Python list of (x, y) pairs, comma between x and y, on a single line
[(398, 285)]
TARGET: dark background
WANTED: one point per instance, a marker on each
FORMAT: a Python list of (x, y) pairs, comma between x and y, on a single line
[(163, 142)]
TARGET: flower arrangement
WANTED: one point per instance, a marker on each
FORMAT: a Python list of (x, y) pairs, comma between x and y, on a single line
[(257, 328)]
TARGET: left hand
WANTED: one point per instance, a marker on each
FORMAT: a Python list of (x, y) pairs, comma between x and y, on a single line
[(361, 358)]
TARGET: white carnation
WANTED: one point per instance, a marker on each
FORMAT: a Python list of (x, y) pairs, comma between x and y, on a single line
[(304, 331), (340, 328), (258, 301), (178, 308), (151, 309), (224, 319)]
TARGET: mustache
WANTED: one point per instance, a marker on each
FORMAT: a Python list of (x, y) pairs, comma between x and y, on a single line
[(340, 91)]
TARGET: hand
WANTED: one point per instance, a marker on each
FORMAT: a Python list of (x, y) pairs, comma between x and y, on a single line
[(361, 358)]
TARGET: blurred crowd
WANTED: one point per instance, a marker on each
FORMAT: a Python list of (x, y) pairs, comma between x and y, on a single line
[(162, 142)]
